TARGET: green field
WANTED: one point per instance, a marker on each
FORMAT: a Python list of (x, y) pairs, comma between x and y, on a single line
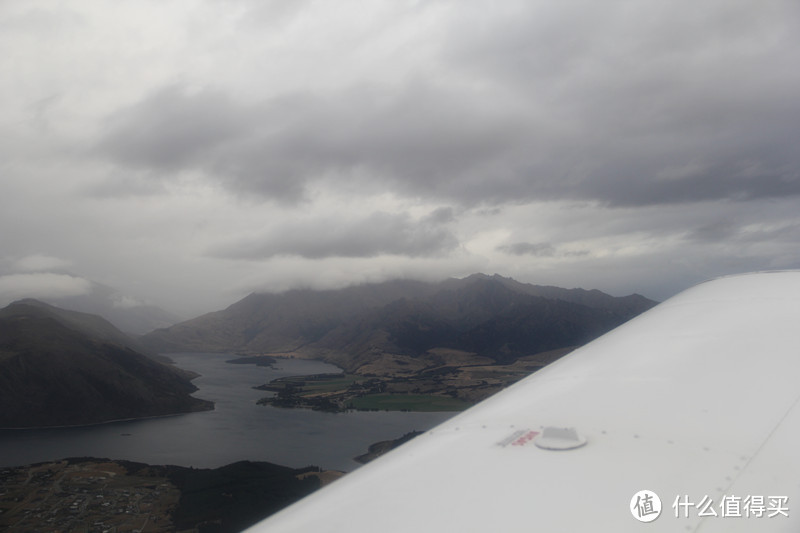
[(306, 390), (408, 402), (318, 384)]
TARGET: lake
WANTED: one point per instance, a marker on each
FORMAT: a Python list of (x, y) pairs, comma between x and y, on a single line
[(236, 430)]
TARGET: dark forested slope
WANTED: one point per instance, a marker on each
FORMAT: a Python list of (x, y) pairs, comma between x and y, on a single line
[(61, 367)]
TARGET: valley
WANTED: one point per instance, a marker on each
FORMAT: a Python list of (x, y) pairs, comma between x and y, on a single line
[(260, 379)]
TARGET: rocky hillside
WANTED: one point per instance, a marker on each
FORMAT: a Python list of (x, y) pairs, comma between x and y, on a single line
[(490, 316), (62, 367)]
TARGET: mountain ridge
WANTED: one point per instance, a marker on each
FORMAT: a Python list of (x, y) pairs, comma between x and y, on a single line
[(352, 327)]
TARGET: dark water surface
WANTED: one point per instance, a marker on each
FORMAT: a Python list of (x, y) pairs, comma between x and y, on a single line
[(237, 429)]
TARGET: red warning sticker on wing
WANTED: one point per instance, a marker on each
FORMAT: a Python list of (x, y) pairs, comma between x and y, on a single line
[(520, 437)]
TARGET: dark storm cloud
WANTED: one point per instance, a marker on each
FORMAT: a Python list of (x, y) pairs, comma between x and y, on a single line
[(743, 232), (633, 90), (373, 235), (541, 249), (717, 231), (442, 215), (417, 139), (736, 180), (625, 104), (173, 128)]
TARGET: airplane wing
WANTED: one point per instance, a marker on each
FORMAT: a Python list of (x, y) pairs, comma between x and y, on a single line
[(693, 403)]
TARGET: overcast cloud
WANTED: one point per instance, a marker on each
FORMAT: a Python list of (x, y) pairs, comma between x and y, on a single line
[(187, 153)]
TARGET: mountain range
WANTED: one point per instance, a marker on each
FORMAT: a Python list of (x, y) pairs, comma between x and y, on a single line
[(60, 367), (489, 316)]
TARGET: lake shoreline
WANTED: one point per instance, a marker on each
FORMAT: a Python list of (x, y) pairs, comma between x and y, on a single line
[(237, 429), (105, 422)]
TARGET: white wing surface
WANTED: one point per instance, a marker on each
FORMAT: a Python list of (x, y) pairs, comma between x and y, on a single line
[(695, 400)]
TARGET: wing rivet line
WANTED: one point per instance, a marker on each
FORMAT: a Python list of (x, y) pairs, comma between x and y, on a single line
[(555, 438)]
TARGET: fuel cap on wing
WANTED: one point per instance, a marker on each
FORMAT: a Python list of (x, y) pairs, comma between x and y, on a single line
[(555, 438)]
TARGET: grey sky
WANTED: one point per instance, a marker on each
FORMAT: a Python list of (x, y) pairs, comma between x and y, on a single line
[(190, 152)]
